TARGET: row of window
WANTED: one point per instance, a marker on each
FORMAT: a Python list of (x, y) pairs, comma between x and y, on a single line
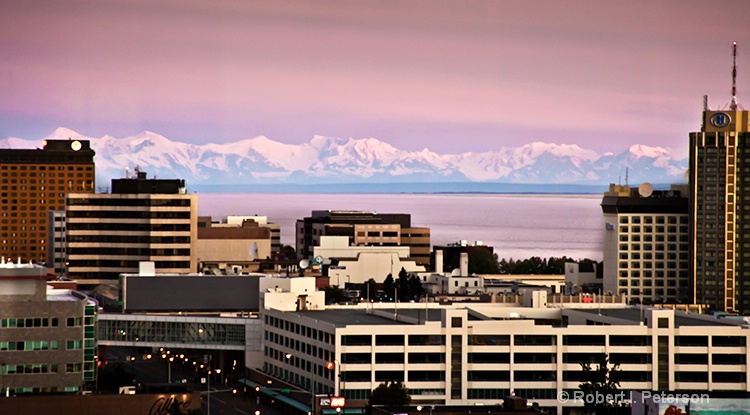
[(83, 200), (299, 329), (26, 369), (28, 345), (672, 220), (36, 322), (546, 340)]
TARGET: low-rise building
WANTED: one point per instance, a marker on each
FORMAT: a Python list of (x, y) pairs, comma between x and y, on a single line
[(472, 353), (47, 336)]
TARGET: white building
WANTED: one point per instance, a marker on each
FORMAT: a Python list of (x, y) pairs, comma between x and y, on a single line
[(357, 264), (480, 353)]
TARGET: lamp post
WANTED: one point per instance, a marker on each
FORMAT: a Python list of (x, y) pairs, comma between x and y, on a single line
[(208, 389)]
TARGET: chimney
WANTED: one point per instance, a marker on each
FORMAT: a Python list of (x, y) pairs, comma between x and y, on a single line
[(438, 261), (464, 264)]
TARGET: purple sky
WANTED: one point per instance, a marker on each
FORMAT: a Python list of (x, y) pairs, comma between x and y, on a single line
[(453, 76)]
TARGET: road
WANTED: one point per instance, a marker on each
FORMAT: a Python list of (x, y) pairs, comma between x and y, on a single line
[(160, 371)]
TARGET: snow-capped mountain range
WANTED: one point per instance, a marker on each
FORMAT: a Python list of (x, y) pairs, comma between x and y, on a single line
[(260, 160)]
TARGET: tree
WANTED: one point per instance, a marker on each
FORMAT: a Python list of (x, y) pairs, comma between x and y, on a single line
[(390, 394), (334, 294), (389, 286), (600, 387), (288, 252), (482, 261)]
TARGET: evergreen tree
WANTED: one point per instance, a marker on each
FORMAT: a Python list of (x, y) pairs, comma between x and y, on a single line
[(389, 286), (390, 394)]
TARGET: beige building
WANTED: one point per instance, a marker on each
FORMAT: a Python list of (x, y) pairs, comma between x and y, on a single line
[(232, 247), (646, 243), (142, 219)]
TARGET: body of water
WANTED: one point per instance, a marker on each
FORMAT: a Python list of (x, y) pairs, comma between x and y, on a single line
[(517, 226)]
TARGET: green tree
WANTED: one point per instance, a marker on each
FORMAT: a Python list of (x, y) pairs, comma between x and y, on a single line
[(482, 261), (390, 394), (601, 386), (334, 294), (288, 252), (389, 286), (369, 288)]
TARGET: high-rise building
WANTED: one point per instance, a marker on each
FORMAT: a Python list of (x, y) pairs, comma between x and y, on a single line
[(646, 243), (720, 207), (140, 220), (35, 181), (363, 228)]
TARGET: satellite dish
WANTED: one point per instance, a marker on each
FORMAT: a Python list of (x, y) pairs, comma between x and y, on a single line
[(456, 272), (645, 189), (303, 263)]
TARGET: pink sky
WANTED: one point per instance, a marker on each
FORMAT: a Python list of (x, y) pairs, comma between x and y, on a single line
[(453, 76)]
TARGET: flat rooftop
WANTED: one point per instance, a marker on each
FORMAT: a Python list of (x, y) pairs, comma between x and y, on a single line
[(681, 318), (343, 318)]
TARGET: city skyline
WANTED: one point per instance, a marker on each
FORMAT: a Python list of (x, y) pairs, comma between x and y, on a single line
[(453, 77)]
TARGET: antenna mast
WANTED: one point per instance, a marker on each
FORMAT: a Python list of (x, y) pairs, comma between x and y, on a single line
[(733, 105)]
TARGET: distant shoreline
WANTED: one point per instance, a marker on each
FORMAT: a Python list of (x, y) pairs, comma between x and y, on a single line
[(409, 188)]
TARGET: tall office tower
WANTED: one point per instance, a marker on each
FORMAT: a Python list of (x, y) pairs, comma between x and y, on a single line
[(646, 243), (141, 220), (35, 181), (47, 336), (720, 207), (363, 228)]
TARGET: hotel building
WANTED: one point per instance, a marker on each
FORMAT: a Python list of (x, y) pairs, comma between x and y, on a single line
[(720, 210), (34, 182), (140, 220), (646, 244)]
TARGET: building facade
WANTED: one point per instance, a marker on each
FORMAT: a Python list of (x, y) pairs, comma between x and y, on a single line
[(35, 181), (479, 354), (140, 220), (47, 337), (720, 210), (363, 228), (646, 244)]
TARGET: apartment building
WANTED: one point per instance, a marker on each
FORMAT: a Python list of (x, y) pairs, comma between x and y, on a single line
[(140, 220), (47, 336), (467, 354), (646, 244), (35, 181)]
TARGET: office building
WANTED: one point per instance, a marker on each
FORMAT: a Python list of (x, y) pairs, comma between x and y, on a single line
[(140, 220), (646, 244), (35, 181), (479, 353), (47, 336), (365, 229)]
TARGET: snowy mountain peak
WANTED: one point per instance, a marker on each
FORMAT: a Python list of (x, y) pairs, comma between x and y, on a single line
[(641, 150), (62, 132), (262, 160)]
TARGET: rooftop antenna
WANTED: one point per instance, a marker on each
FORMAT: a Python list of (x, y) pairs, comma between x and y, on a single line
[(734, 104), (626, 176)]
